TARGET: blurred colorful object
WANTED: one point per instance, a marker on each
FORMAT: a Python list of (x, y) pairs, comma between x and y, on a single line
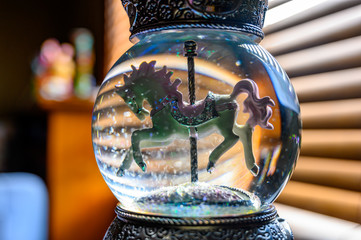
[(58, 76), (54, 70), (84, 80)]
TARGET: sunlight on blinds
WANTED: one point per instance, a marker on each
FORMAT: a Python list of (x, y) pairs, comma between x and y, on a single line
[(318, 44), (290, 9)]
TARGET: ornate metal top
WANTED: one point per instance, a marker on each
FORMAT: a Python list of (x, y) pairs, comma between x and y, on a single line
[(234, 15)]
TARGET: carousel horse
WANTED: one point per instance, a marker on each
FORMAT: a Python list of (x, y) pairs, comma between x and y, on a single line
[(173, 118)]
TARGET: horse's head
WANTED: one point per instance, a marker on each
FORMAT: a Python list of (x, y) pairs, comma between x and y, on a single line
[(133, 99)]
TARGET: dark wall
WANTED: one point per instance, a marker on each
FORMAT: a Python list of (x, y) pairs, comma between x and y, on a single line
[(24, 25)]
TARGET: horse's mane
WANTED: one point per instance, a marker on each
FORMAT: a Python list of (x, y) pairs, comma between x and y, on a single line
[(162, 76), (147, 70)]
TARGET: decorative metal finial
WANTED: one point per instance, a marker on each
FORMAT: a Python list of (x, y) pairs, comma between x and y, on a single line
[(231, 15)]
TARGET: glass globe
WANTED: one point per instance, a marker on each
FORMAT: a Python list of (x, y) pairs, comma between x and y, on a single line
[(245, 123)]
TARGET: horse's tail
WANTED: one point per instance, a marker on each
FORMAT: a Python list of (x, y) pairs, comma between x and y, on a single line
[(259, 109)]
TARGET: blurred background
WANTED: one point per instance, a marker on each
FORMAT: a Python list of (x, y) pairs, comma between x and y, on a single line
[(54, 54)]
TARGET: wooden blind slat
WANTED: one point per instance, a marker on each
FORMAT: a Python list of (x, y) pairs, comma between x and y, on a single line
[(346, 23), (321, 9), (332, 114), (333, 143), (275, 3), (341, 173), (329, 86), (328, 57), (335, 202)]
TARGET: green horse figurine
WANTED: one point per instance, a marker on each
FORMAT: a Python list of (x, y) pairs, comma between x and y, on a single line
[(173, 118)]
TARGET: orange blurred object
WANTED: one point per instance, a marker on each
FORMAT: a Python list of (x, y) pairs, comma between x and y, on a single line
[(81, 205)]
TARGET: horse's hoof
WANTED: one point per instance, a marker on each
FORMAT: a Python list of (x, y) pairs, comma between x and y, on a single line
[(120, 172), (254, 170), (210, 167), (143, 166)]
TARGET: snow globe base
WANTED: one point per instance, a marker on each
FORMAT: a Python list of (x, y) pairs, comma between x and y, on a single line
[(265, 224)]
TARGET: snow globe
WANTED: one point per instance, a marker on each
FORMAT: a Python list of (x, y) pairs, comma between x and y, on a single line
[(196, 128)]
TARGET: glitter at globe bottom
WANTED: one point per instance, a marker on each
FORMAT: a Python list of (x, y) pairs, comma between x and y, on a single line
[(197, 200)]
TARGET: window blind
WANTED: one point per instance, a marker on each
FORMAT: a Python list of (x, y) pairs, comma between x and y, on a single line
[(318, 43)]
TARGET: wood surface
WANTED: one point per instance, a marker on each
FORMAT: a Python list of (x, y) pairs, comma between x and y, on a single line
[(81, 204)]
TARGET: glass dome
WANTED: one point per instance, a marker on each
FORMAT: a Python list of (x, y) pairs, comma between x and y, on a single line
[(245, 122)]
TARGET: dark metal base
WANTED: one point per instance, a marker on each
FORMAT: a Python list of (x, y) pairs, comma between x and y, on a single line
[(263, 225)]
